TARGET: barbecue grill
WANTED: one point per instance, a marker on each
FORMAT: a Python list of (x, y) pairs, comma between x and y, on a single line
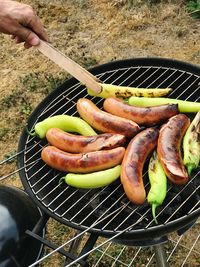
[(106, 211)]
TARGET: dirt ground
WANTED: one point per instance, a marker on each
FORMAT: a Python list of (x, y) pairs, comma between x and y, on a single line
[(91, 33)]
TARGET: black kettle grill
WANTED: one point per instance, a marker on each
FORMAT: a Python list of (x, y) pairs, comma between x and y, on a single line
[(106, 211)]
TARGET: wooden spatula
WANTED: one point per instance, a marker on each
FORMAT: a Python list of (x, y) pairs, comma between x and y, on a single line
[(78, 72)]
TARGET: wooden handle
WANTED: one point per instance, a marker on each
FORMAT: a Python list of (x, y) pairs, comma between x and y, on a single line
[(78, 72)]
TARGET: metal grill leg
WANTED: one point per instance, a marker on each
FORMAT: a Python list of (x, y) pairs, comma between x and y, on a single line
[(160, 253), (87, 247), (74, 246)]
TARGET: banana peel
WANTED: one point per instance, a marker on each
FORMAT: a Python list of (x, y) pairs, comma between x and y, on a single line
[(124, 92)]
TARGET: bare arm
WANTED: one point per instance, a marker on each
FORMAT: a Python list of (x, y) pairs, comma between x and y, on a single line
[(21, 21)]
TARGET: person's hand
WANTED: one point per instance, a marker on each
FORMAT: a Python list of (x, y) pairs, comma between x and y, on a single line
[(21, 21)]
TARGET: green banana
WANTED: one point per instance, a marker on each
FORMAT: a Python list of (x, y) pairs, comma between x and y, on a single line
[(191, 145), (158, 182), (65, 123), (184, 106), (93, 180), (111, 90)]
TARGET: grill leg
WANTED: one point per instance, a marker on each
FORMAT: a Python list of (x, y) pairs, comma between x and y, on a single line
[(40, 224), (161, 257), (74, 246), (87, 247)]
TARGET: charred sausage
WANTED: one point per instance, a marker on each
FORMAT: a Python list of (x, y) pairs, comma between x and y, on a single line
[(169, 148), (132, 165), (147, 116), (82, 163), (105, 122), (82, 144)]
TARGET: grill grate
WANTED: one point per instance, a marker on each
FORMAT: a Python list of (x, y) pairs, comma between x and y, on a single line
[(107, 210)]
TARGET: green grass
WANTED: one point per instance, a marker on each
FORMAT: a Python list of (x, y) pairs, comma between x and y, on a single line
[(40, 82), (198, 260), (118, 255), (12, 157), (3, 132), (17, 106), (88, 62), (26, 109), (133, 3), (193, 8), (22, 100), (11, 100)]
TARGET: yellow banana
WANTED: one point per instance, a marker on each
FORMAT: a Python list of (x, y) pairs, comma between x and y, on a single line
[(124, 92)]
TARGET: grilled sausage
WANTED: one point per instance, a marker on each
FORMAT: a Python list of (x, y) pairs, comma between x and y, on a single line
[(82, 144), (169, 148), (82, 163), (105, 122), (132, 165), (147, 116)]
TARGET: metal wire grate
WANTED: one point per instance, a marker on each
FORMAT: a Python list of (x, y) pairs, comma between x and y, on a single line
[(108, 209)]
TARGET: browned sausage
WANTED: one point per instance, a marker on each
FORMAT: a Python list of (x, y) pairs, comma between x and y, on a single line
[(82, 163), (82, 144), (147, 116), (132, 165), (169, 148), (105, 122)]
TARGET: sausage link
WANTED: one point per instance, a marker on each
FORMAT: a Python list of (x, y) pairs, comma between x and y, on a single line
[(82, 163), (132, 165), (147, 116), (105, 122), (82, 144), (169, 148)]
